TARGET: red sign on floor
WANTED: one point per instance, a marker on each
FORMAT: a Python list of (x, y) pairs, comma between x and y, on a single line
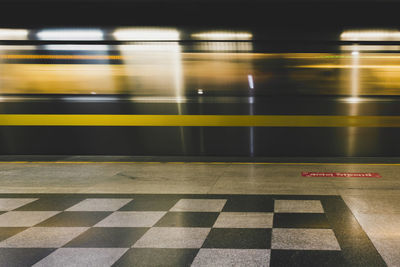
[(342, 174)]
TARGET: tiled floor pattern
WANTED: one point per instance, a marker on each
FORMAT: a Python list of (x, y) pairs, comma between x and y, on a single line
[(181, 230)]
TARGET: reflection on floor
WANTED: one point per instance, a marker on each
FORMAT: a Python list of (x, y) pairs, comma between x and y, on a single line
[(181, 230)]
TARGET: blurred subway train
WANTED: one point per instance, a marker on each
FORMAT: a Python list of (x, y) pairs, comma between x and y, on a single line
[(192, 90)]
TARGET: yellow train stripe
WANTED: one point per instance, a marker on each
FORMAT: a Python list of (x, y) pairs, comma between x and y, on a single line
[(199, 120)]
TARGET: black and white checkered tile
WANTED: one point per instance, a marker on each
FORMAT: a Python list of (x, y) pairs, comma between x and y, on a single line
[(181, 230)]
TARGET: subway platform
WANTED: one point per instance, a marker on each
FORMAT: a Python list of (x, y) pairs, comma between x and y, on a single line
[(79, 212)]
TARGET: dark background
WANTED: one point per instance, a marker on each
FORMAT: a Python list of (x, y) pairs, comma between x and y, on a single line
[(307, 16)]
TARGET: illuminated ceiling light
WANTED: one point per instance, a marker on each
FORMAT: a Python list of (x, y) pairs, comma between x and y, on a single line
[(222, 35), (70, 35), (251, 81), (146, 34), (77, 47), (200, 91), (13, 34), (370, 35)]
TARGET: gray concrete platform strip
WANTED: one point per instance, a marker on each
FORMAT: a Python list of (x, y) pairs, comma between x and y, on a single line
[(369, 199)]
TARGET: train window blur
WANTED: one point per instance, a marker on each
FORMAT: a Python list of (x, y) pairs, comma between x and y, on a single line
[(156, 62)]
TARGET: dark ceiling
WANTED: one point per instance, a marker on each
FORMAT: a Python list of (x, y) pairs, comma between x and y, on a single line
[(321, 15)]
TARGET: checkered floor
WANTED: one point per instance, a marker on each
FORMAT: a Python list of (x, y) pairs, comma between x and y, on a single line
[(181, 230)]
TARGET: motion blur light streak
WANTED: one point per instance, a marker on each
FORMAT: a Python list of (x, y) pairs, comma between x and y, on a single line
[(142, 60), (58, 78), (353, 100), (156, 65), (13, 34), (17, 47), (153, 68), (355, 73), (214, 99), (70, 35), (149, 46), (225, 46), (85, 57), (146, 34), (362, 99), (365, 48), (251, 133), (159, 99), (251, 82), (370, 35), (73, 47), (222, 35), (348, 66), (90, 99)]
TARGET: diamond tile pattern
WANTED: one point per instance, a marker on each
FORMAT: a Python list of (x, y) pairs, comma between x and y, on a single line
[(100, 204), (88, 257), (210, 205), (180, 230), (24, 218), (299, 206), (173, 237), (232, 257), (244, 220), (7, 204), (131, 219), (304, 239), (43, 237)]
